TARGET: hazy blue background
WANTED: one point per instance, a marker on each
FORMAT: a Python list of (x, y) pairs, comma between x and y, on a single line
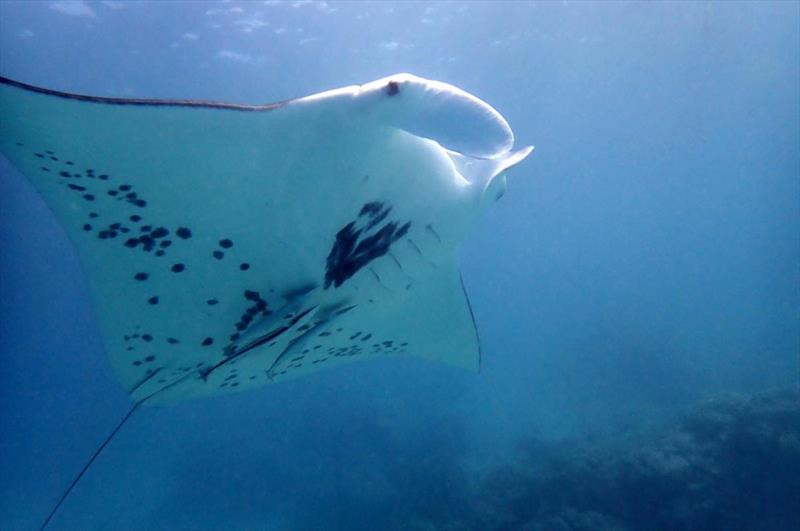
[(644, 258)]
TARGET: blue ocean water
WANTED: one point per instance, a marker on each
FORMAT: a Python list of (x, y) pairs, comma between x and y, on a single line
[(637, 289)]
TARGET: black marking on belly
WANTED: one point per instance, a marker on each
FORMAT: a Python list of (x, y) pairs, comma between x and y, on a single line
[(359, 242), (392, 88), (91, 192), (299, 291), (259, 305), (274, 334)]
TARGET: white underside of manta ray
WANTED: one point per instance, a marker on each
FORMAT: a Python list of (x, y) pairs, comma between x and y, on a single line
[(232, 246)]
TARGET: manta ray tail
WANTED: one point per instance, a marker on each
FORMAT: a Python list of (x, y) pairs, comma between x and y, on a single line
[(99, 450), (89, 463)]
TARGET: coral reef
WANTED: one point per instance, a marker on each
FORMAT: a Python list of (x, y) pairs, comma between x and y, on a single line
[(731, 463)]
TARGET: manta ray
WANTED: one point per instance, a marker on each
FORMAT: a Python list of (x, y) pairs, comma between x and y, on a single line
[(230, 246)]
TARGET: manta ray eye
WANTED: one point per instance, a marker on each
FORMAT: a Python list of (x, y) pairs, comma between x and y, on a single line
[(392, 88)]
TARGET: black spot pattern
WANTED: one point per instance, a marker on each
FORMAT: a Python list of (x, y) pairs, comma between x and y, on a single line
[(368, 237), (258, 305), (124, 192), (360, 241)]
